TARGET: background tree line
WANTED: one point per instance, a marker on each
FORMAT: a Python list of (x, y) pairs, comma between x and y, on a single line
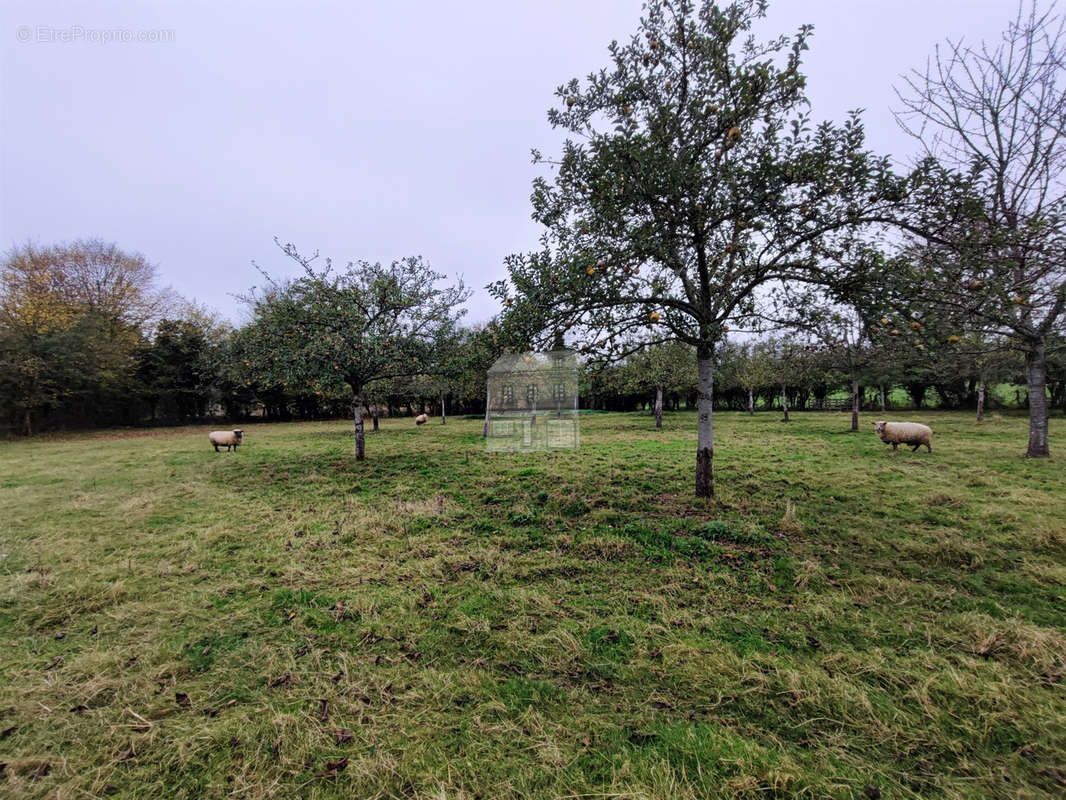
[(87, 339)]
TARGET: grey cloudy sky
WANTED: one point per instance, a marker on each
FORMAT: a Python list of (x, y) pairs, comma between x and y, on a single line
[(364, 130)]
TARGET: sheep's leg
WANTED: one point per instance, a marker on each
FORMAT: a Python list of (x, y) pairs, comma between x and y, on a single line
[(915, 448), (216, 447), (929, 447), (895, 446)]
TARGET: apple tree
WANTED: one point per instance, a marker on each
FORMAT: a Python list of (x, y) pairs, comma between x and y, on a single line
[(754, 370), (661, 368), (334, 328), (838, 308), (692, 176)]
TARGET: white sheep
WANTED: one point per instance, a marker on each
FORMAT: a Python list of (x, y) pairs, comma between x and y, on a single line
[(226, 439), (897, 433), (421, 419)]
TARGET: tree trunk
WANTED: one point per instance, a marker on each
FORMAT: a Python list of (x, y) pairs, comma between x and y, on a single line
[(1036, 377), (751, 403), (705, 423), (884, 406), (443, 411), (27, 423), (360, 442), (374, 415), (784, 404), (485, 427), (980, 399), (855, 404), (658, 406)]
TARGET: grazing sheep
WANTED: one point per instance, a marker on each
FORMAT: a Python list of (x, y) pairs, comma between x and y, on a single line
[(897, 433), (226, 439), (421, 419)]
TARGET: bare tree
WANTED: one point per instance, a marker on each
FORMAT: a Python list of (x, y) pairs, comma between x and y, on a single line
[(998, 113)]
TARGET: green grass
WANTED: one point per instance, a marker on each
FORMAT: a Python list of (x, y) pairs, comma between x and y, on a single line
[(436, 622)]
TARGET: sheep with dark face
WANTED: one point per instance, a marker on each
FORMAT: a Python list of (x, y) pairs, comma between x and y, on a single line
[(227, 439), (912, 433)]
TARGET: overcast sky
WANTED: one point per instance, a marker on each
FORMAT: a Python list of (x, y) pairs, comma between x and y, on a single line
[(364, 130)]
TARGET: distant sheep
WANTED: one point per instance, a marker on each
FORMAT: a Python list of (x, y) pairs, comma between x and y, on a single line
[(226, 439), (912, 433), (421, 419)]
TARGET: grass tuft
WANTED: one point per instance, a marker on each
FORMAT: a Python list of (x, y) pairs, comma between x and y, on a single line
[(790, 524)]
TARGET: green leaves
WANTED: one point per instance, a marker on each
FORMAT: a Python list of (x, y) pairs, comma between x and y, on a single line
[(680, 175), (333, 328)]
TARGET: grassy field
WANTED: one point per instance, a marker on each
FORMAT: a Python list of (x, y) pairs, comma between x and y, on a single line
[(843, 621)]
